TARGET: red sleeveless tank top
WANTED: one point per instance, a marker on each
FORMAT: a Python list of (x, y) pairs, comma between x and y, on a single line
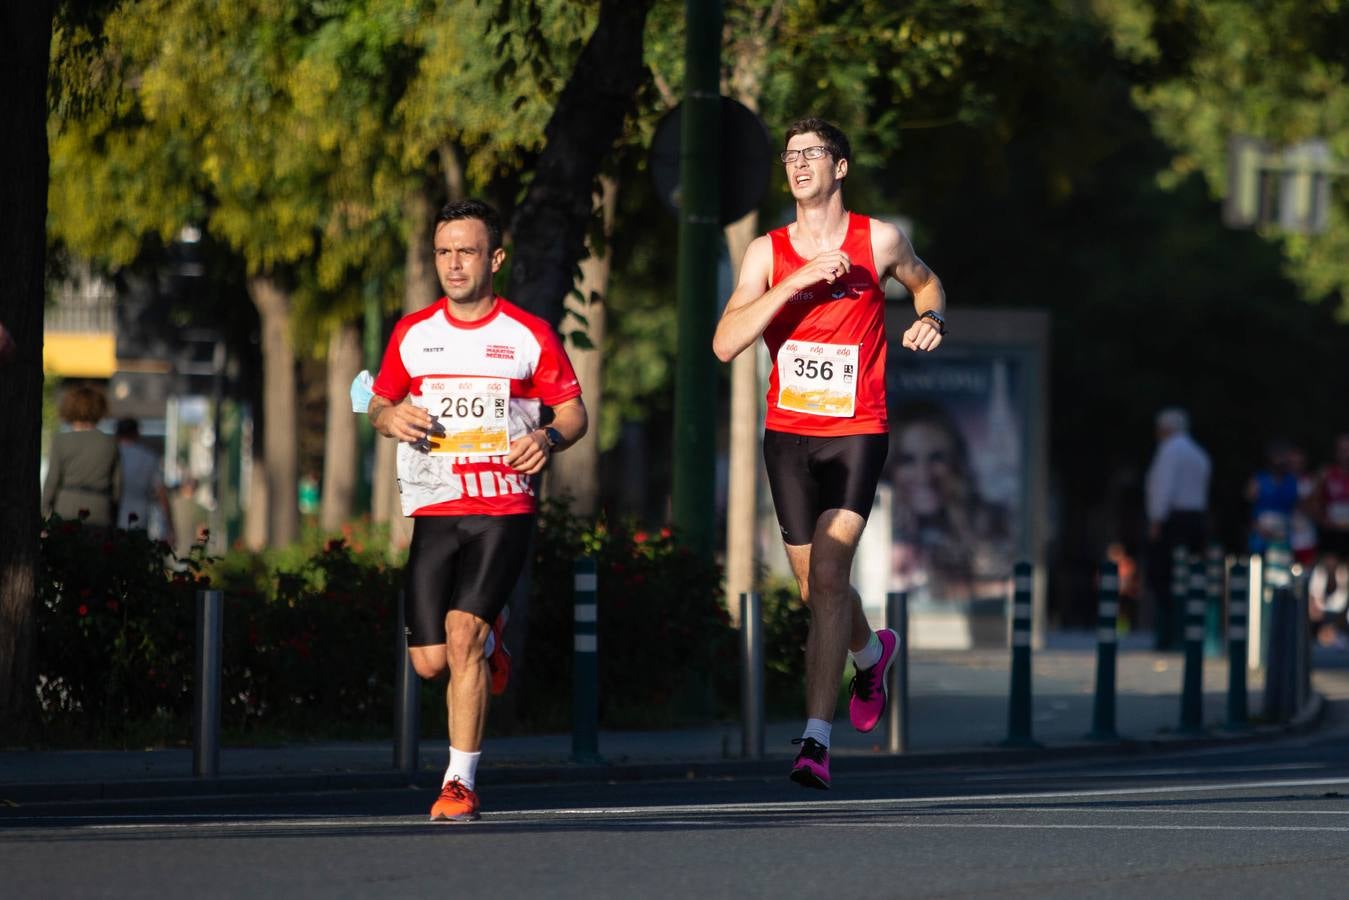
[(828, 345)]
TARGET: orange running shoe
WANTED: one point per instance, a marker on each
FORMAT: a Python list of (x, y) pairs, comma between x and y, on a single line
[(456, 803), (500, 661)]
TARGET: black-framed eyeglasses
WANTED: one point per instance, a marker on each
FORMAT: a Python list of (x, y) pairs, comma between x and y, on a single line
[(791, 156)]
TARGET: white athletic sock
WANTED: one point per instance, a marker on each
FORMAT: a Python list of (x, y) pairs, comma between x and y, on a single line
[(463, 765), (489, 645), (869, 655), (818, 729)]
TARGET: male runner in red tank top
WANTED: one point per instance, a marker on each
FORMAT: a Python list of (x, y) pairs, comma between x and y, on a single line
[(814, 291)]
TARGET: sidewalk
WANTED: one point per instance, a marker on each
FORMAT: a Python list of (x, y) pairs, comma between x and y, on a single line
[(958, 714)]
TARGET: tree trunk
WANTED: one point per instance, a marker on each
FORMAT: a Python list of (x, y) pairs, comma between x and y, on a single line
[(25, 41), (281, 454), (340, 440), (576, 473), (749, 52), (549, 227), (743, 475), (421, 288)]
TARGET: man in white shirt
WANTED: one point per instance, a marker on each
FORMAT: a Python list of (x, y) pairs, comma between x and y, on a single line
[(1176, 496)]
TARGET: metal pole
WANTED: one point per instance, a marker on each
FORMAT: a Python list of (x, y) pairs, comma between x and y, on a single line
[(407, 697), (1213, 611), (1107, 638), (1019, 704), (897, 620), (1192, 690), (206, 703), (699, 251), (751, 675), (1238, 603), (585, 690), (1172, 616), (1255, 612)]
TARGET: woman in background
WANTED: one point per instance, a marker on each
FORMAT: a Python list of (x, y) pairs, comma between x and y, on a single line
[(84, 470)]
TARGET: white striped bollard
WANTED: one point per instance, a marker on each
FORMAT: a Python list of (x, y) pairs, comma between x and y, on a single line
[(1213, 610), (585, 694), (1019, 704), (1107, 646), (1172, 614), (1238, 593), (1192, 686)]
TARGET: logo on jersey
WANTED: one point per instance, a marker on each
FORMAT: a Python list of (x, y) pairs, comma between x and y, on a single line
[(849, 290), (801, 297), (433, 349), (500, 351)]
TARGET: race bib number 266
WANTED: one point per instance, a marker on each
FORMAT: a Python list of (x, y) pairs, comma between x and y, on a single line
[(818, 379), (472, 411)]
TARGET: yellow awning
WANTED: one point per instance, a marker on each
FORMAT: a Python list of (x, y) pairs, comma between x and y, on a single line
[(76, 355)]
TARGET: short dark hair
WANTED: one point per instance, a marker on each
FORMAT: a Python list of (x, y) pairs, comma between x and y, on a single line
[(472, 209), (830, 134), (128, 428)]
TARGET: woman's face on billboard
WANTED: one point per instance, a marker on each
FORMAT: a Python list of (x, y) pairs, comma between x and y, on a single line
[(923, 467)]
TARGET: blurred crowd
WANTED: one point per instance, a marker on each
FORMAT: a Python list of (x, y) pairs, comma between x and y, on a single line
[(1307, 509)]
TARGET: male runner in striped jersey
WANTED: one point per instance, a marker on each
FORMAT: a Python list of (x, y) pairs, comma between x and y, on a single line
[(814, 291), (461, 387)]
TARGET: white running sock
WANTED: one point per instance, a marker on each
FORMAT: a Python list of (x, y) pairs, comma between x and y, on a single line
[(490, 645), (869, 655), (463, 765), (818, 729)]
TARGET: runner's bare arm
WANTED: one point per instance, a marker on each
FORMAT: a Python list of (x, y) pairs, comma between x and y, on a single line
[(400, 421), (530, 453), (896, 258), (753, 304)]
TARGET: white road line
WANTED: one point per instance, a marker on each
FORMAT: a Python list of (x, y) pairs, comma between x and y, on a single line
[(1013, 826), (821, 805), (1144, 773)]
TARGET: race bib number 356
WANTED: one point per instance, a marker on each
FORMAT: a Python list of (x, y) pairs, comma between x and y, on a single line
[(818, 379), (473, 412)]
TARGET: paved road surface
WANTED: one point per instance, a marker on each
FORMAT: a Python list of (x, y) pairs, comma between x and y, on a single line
[(1268, 820)]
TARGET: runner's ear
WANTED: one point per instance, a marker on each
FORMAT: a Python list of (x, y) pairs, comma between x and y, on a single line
[(498, 257)]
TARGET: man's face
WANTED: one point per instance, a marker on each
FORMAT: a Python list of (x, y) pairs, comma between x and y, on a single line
[(463, 263), (810, 178)]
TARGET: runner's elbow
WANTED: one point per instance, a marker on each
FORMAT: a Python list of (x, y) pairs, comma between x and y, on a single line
[(724, 349)]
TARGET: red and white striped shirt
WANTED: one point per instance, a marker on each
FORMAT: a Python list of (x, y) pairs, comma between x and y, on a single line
[(506, 345)]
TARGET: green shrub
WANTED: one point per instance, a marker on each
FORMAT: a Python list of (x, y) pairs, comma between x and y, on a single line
[(114, 630), (666, 649)]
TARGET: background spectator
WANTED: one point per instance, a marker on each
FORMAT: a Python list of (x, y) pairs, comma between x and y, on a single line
[(84, 474), (142, 483), (1176, 496)]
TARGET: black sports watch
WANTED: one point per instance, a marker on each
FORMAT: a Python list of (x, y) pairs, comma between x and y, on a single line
[(936, 317), (553, 437)]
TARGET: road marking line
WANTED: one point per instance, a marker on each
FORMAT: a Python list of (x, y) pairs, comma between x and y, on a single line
[(813, 806), (1010, 826)]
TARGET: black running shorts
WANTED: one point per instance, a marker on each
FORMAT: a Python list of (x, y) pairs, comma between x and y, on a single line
[(809, 475), (468, 563)]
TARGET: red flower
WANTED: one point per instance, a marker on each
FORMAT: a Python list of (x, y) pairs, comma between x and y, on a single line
[(112, 605), (665, 532), (82, 610), (639, 536)]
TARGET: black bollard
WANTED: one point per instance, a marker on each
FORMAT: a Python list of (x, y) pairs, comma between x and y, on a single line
[(1238, 593), (1107, 647), (1019, 704), (1192, 691)]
